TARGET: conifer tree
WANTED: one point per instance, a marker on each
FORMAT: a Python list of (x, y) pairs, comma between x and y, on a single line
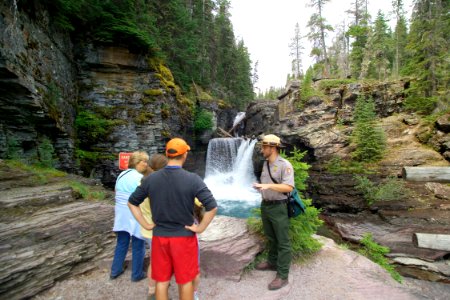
[(358, 31), (368, 137), (428, 55), (338, 53), (400, 37), (318, 32), (378, 52), (296, 48)]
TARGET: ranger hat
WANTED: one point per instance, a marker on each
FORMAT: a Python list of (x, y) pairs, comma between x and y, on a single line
[(271, 140), (176, 146)]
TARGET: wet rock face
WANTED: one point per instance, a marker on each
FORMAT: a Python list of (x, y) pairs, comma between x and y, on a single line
[(314, 126), (37, 85)]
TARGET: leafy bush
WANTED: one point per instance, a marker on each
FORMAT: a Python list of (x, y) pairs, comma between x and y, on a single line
[(305, 225), (203, 120), (91, 127), (376, 253), (392, 189)]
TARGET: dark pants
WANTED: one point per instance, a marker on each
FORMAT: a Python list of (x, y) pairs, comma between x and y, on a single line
[(276, 228), (138, 253)]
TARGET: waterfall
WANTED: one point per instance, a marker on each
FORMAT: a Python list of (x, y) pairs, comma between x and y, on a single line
[(237, 130), (229, 175)]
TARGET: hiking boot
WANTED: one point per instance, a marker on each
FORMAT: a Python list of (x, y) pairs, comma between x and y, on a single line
[(277, 283), (112, 277), (265, 266)]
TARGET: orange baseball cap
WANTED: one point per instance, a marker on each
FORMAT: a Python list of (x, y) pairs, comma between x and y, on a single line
[(176, 146)]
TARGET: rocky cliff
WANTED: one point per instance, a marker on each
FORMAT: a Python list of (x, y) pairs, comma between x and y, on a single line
[(323, 125), (38, 90), (90, 101)]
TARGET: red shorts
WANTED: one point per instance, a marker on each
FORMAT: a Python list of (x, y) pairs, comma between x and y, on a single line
[(177, 255)]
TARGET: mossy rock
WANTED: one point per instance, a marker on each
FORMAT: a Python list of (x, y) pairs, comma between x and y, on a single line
[(143, 117), (153, 92)]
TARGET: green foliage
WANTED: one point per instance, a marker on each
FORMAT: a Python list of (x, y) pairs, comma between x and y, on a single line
[(302, 227), (153, 92), (332, 83), (203, 120), (143, 117), (359, 33), (337, 165), (39, 173), (46, 153), (376, 253), (195, 39), (51, 99), (306, 89), (86, 192), (92, 127), (13, 148), (392, 189), (271, 94), (300, 168), (427, 52), (422, 105), (369, 138)]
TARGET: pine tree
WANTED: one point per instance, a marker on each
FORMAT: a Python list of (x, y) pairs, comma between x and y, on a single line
[(358, 31), (400, 37), (368, 137), (378, 52), (428, 55), (318, 32), (296, 48), (338, 53)]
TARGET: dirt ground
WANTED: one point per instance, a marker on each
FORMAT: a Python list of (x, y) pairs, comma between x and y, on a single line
[(333, 273)]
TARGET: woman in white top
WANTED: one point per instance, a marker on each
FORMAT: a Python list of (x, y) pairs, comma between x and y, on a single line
[(125, 225)]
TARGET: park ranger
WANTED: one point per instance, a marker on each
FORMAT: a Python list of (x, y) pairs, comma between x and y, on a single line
[(274, 210)]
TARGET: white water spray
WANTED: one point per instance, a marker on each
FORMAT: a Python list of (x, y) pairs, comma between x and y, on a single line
[(229, 175)]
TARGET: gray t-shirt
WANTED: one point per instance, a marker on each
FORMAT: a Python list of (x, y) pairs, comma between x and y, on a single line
[(282, 171)]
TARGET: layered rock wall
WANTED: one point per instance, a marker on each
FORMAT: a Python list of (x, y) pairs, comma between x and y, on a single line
[(38, 88)]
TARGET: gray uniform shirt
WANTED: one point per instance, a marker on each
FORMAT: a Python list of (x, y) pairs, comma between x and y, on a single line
[(282, 171)]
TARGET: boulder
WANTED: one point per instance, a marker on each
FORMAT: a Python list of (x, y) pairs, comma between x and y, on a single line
[(46, 234), (227, 247)]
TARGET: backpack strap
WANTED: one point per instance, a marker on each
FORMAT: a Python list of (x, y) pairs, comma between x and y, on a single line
[(124, 174), (270, 174)]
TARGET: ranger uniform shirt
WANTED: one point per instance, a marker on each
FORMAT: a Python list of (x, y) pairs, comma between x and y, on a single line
[(282, 171)]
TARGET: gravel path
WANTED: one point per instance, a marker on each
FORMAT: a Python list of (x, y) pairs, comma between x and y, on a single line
[(333, 273)]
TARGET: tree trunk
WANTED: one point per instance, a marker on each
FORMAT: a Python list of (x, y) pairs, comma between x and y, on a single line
[(432, 241), (435, 174)]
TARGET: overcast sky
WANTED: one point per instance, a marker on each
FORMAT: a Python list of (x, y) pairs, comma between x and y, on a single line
[(267, 27)]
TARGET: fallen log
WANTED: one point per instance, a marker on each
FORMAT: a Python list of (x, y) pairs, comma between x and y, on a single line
[(224, 133), (432, 241), (436, 174)]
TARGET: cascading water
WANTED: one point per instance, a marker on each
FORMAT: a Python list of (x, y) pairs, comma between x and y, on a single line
[(238, 125), (229, 175)]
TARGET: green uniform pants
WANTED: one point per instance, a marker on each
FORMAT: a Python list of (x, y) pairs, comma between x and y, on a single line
[(276, 228)]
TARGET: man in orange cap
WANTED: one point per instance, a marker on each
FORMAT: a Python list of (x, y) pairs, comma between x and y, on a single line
[(277, 178), (172, 191)]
